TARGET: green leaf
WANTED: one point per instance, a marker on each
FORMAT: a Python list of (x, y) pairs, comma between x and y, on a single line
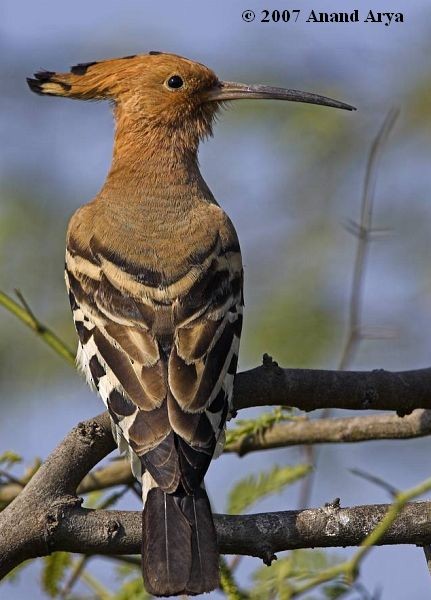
[(125, 570), (255, 487), (132, 589), (273, 582), (99, 590), (306, 563), (251, 427), (9, 458), (54, 570), (277, 582), (335, 590), (228, 584), (13, 575), (93, 499)]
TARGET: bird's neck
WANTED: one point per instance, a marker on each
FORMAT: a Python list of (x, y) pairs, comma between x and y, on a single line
[(153, 161)]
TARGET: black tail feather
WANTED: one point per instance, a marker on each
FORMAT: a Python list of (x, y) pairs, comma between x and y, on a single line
[(179, 544), (204, 573)]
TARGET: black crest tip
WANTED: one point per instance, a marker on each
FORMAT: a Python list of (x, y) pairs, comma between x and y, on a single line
[(44, 76), (35, 85), (154, 52), (81, 68), (41, 77)]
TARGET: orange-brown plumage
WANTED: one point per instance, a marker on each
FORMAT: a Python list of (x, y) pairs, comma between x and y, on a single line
[(154, 274)]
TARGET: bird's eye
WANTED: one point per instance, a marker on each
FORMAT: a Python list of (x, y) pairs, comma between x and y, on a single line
[(175, 82)]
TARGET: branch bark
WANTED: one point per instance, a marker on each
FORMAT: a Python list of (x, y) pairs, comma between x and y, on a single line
[(262, 535), (335, 431), (27, 524), (46, 516), (311, 389)]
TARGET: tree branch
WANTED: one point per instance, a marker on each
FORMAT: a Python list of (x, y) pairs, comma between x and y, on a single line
[(109, 532), (46, 516), (334, 431), (311, 389), (26, 315), (27, 524)]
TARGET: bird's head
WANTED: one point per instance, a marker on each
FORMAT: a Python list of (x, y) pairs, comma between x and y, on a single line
[(164, 91)]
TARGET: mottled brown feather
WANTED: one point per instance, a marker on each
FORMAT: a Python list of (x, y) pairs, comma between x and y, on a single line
[(194, 341), (138, 344), (162, 462), (117, 305), (195, 429), (209, 376), (123, 370), (149, 428)]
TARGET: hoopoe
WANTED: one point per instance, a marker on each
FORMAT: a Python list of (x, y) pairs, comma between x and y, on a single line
[(155, 281)]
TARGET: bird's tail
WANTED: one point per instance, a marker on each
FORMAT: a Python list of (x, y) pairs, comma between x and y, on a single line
[(179, 544)]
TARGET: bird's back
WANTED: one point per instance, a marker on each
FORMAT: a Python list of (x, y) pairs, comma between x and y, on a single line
[(156, 296)]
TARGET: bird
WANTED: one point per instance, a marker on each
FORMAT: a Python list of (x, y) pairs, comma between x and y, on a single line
[(155, 282)]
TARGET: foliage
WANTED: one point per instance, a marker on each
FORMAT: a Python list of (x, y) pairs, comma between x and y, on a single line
[(252, 427), (16, 572), (132, 590), (54, 571), (228, 584), (255, 487), (277, 581), (131, 587), (9, 458), (93, 499)]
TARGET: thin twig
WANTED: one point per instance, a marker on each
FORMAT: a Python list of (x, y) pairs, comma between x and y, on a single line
[(100, 591), (427, 552), (11, 479), (24, 314), (349, 570), (228, 584), (128, 560), (77, 572), (25, 304), (362, 232), (364, 236), (390, 489)]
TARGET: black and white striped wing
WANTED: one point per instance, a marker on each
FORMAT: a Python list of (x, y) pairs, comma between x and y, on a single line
[(163, 358)]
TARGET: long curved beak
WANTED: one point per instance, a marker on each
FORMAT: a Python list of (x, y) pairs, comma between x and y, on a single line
[(229, 90)]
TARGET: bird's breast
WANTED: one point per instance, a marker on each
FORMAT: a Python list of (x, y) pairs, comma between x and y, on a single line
[(161, 251)]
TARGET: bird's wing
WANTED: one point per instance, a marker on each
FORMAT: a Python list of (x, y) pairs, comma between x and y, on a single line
[(162, 354)]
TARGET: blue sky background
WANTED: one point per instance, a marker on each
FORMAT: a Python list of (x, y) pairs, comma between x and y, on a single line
[(289, 176)]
